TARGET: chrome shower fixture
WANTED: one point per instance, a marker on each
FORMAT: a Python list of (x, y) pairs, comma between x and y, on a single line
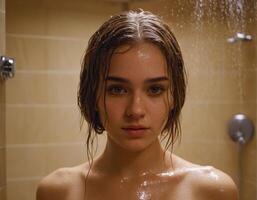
[(7, 67), (240, 37), (240, 128)]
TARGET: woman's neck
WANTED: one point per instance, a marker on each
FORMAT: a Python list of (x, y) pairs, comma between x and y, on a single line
[(118, 161)]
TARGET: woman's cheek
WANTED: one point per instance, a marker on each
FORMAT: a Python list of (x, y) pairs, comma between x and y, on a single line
[(115, 109)]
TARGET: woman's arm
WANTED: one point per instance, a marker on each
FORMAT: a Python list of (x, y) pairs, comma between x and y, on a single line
[(213, 184), (54, 186)]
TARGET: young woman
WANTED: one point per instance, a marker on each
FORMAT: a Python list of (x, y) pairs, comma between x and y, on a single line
[(132, 88)]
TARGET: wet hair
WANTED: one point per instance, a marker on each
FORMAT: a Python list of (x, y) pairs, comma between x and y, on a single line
[(130, 28)]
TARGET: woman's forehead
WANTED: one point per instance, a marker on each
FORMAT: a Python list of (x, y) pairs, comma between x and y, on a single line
[(138, 59)]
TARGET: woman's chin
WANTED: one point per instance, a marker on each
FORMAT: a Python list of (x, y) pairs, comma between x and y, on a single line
[(135, 146)]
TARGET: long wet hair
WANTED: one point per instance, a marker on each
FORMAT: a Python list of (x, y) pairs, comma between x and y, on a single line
[(129, 28)]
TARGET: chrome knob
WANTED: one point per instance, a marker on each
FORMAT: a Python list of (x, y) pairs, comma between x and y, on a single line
[(240, 128), (7, 67)]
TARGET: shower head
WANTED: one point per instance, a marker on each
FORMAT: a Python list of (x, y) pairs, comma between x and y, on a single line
[(240, 37)]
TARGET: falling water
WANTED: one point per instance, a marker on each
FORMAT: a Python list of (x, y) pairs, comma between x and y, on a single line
[(235, 15), (236, 23), (212, 23), (199, 12)]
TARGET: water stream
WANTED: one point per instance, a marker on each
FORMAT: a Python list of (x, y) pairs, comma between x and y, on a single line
[(212, 23)]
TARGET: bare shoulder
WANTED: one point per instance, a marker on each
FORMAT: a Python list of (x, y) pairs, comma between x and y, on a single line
[(60, 183), (207, 182), (211, 183)]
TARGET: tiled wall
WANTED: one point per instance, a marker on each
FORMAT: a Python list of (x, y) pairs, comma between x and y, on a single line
[(249, 156), (48, 38), (2, 106)]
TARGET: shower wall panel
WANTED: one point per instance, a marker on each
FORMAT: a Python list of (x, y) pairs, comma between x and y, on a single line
[(2, 107), (48, 40)]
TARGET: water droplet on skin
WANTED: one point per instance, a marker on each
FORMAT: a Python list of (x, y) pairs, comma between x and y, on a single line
[(144, 195), (166, 174), (222, 190), (142, 55), (213, 175), (144, 184)]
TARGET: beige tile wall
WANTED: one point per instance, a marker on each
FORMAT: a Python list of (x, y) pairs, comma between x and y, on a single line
[(48, 38), (249, 166), (2, 107)]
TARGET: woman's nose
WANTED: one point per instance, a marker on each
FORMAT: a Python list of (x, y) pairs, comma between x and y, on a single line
[(135, 108)]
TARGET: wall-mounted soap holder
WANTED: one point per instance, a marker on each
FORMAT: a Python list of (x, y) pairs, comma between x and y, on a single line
[(7, 67)]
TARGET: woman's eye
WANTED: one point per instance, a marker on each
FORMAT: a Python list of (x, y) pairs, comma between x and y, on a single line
[(116, 90), (156, 90)]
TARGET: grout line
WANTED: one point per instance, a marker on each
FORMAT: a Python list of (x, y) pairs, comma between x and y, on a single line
[(48, 72), (34, 105), (34, 178), (12, 146), (211, 102), (219, 71), (207, 141), (251, 182), (44, 37)]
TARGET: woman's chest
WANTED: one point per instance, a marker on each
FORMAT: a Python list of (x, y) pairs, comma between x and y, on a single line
[(138, 189)]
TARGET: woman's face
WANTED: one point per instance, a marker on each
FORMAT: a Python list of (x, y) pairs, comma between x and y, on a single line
[(137, 96)]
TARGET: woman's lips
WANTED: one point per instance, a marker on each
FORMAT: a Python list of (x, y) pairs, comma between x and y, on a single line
[(135, 131)]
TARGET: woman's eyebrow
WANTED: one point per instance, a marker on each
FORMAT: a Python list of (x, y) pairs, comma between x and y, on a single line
[(117, 79), (157, 79), (149, 80)]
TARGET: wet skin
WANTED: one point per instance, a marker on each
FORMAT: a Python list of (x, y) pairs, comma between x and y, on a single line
[(186, 181), (132, 166)]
